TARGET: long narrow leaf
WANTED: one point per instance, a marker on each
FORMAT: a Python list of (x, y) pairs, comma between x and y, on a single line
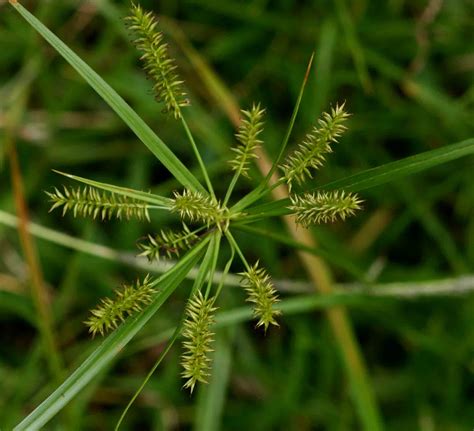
[(376, 176), (124, 191), (123, 110), (401, 168), (111, 347)]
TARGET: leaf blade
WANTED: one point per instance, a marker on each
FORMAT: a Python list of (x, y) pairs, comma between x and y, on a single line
[(375, 176), (117, 103), (112, 345), (124, 191)]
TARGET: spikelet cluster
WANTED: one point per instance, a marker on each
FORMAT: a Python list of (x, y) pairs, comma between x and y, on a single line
[(247, 136), (311, 153), (323, 207), (167, 243), (90, 202), (261, 292), (198, 338), (129, 300), (159, 66), (194, 206)]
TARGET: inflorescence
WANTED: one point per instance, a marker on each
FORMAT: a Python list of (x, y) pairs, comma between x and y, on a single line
[(159, 66), (248, 137), (198, 338), (214, 217), (324, 207), (311, 153), (128, 300), (261, 292), (90, 202)]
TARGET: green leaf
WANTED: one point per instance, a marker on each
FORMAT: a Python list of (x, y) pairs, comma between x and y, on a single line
[(112, 345), (124, 191), (376, 176), (123, 110), (401, 168)]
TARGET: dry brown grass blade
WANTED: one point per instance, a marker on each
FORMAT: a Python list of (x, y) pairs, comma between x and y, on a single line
[(38, 290)]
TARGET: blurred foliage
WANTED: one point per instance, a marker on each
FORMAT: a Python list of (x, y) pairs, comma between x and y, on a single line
[(406, 73)]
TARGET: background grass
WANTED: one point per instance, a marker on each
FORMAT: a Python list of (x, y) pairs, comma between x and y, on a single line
[(408, 80)]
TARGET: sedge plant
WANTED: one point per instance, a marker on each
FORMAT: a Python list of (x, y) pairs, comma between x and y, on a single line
[(207, 219)]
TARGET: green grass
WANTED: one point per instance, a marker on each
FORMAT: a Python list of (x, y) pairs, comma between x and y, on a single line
[(418, 348)]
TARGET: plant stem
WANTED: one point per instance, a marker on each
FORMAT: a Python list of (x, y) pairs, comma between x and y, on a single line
[(235, 246), (208, 267), (170, 343), (225, 272), (198, 157), (213, 263), (231, 187)]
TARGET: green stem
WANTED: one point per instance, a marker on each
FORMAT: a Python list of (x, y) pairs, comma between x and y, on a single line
[(262, 191), (235, 246), (173, 338), (198, 157), (231, 186), (292, 122), (225, 272), (213, 264)]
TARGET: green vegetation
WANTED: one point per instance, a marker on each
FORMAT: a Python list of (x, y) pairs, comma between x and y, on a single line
[(391, 345)]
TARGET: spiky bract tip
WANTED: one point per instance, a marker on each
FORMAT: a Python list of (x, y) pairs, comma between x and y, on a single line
[(323, 207), (198, 338)]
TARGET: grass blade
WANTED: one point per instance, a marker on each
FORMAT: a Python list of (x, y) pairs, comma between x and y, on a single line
[(401, 168), (377, 176), (123, 110), (112, 346), (124, 191)]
